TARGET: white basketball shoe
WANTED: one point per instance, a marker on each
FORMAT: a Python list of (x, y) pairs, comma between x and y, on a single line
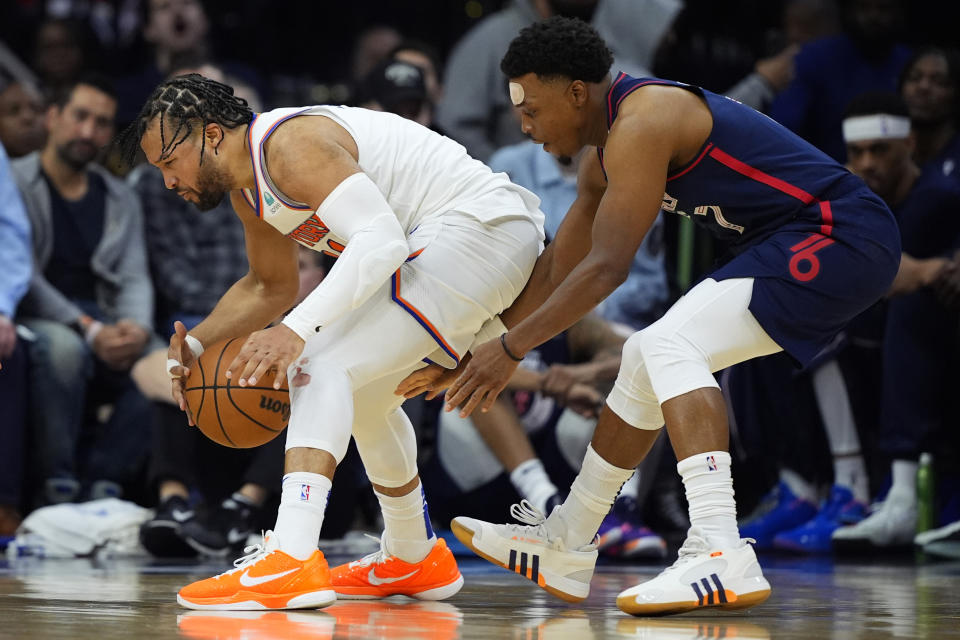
[(703, 576), (533, 550)]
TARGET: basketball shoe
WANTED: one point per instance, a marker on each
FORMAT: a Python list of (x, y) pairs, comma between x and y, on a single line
[(944, 541), (780, 510), (815, 536), (160, 535), (380, 575), (893, 523), (535, 550), (703, 576), (265, 578), (622, 534), (223, 531)]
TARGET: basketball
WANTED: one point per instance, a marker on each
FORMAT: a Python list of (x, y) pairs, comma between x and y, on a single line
[(231, 415)]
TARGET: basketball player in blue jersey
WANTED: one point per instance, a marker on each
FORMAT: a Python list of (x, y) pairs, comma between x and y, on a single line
[(812, 247)]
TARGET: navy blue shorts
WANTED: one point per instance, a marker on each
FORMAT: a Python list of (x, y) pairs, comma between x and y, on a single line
[(811, 279)]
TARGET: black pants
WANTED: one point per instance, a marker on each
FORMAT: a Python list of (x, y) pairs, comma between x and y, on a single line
[(183, 453)]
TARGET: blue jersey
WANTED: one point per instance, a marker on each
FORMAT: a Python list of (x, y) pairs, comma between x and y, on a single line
[(820, 246), (751, 176)]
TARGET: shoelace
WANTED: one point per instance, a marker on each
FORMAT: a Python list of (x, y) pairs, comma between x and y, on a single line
[(532, 518), (378, 556), (693, 546), (252, 553)]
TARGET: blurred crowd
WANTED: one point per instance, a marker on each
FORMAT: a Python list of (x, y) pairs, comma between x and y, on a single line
[(96, 266)]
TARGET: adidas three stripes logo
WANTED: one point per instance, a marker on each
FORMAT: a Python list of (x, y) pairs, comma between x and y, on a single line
[(706, 595), (534, 564)]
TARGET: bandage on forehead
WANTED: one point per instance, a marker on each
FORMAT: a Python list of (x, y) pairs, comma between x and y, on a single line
[(516, 93), (879, 126)]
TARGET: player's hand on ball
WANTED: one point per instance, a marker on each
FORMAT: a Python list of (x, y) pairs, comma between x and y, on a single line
[(482, 380), (432, 379), (181, 352), (275, 348)]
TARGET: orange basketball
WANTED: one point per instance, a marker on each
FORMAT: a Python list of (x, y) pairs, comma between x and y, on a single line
[(231, 415)]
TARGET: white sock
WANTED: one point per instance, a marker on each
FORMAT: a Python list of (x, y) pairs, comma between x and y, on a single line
[(800, 487), (631, 487), (838, 421), (591, 496), (905, 478), (531, 481), (706, 477), (851, 472), (409, 534), (302, 503)]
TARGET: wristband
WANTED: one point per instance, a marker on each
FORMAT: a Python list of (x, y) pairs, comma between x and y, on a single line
[(194, 345), (506, 349)]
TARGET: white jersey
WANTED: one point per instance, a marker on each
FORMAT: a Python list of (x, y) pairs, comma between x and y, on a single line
[(422, 174)]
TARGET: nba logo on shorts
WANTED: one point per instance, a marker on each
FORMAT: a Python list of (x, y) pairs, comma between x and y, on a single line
[(711, 464), (304, 492)]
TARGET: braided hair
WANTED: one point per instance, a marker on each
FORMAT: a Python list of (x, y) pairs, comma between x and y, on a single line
[(184, 101)]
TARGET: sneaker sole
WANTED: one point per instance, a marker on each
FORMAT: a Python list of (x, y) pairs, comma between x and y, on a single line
[(465, 536), (433, 593), (247, 601), (629, 604)]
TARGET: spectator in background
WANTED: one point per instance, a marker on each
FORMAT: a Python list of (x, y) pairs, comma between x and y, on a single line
[(475, 110), (643, 297), (14, 280), (371, 47), (920, 345), (90, 300), (802, 21), (61, 52), (929, 86), (397, 87), (172, 28), (831, 71), (427, 58), (21, 117)]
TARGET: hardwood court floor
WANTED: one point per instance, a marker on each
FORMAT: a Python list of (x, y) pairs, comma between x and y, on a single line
[(812, 599)]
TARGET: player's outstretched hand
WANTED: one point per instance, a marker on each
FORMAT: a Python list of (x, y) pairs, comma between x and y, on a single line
[(275, 348), (432, 379), (180, 352), (482, 380)]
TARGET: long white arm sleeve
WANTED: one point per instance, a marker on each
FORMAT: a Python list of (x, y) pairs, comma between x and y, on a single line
[(376, 246)]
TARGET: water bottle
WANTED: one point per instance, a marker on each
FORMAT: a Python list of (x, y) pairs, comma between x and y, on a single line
[(926, 514)]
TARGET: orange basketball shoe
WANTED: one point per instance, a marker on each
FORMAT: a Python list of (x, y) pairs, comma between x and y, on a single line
[(379, 575), (265, 578)]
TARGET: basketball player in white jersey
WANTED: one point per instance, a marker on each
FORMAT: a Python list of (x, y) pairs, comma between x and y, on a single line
[(432, 246)]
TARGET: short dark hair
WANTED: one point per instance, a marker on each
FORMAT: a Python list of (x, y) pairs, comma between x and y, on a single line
[(558, 46), (186, 100), (874, 102), (952, 57), (61, 95)]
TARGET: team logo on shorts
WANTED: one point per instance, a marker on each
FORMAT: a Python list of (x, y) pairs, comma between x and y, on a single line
[(304, 492), (711, 463)]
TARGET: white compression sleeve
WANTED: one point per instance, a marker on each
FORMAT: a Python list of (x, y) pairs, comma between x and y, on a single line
[(376, 247)]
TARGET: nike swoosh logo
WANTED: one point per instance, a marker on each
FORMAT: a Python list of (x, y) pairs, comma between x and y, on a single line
[(181, 516), (249, 581), (375, 581)]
